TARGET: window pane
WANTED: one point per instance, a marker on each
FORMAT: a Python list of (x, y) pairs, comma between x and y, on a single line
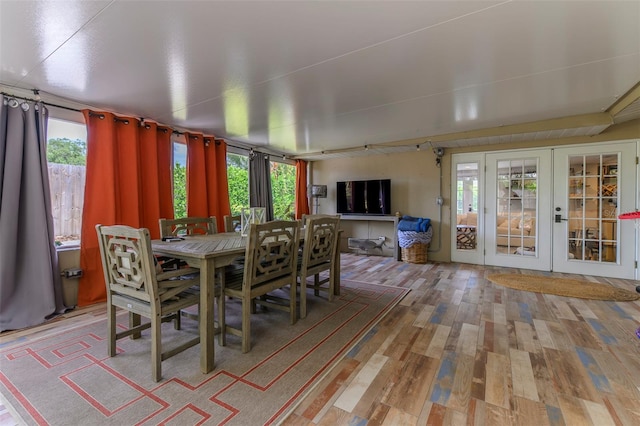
[(283, 190), (179, 180), (67, 157), (238, 177)]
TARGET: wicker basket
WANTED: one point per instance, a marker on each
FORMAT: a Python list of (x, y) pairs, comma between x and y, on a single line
[(417, 253)]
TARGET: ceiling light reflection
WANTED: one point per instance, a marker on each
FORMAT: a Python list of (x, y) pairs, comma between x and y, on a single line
[(236, 112)]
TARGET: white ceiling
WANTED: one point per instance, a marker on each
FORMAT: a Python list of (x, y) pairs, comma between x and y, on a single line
[(304, 77)]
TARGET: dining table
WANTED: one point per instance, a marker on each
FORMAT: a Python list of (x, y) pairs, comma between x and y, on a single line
[(208, 253)]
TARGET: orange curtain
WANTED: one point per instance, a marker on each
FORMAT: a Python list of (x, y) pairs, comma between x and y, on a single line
[(302, 202), (157, 200), (207, 186), (124, 165)]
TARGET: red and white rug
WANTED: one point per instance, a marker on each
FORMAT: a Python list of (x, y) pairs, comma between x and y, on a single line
[(67, 377)]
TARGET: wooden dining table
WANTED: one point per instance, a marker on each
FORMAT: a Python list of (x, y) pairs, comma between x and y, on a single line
[(208, 253)]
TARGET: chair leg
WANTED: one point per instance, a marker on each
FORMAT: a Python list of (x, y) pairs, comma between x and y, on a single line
[(316, 284), (293, 307), (332, 284), (246, 324), (222, 323), (111, 332), (303, 297), (134, 321), (156, 348), (177, 323)]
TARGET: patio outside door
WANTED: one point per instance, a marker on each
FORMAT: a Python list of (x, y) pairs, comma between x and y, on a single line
[(467, 213), (518, 209), (592, 186)]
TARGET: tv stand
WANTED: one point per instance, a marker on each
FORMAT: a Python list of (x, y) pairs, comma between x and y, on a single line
[(372, 227)]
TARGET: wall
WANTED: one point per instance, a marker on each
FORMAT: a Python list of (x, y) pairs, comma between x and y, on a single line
[(415, 185), (415, 179)]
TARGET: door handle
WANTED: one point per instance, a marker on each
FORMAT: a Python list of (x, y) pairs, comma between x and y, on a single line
[(559, 218)]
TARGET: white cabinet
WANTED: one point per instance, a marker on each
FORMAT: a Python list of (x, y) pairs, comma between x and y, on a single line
[(371, 227)]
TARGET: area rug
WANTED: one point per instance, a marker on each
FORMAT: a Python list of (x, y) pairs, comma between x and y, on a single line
[(563, 287), (68, 379)]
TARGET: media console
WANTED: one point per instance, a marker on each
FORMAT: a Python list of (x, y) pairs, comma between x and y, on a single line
[(371, 227)]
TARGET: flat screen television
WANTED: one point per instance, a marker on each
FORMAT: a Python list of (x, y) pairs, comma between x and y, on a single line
[(364, 197)]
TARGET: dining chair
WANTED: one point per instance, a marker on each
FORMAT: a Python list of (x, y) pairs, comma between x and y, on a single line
[(181, 227), (271, 260), (135, 285), (318, 254), (231, 223), (188, 226)]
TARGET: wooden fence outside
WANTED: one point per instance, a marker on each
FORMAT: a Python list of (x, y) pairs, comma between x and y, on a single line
[(67, 198)]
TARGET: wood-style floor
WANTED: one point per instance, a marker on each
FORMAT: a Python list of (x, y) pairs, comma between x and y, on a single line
[(460, 350)]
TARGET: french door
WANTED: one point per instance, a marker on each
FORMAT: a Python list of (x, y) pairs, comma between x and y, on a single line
[(593, 185), (547, 209), (518, 218), (467, 212)]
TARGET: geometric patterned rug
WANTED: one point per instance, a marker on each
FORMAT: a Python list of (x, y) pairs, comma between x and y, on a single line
[(67, 377)]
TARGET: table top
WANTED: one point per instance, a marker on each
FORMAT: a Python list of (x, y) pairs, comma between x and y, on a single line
[(202, 246)]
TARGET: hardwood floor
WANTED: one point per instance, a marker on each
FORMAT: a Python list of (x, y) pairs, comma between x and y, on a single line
[(462, 350)]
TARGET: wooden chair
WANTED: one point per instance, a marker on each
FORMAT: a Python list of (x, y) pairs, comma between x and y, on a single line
[(188, 226), (231, 223), (134, 284), (271, 263), (306, 217), (182, 227), (318, 254)]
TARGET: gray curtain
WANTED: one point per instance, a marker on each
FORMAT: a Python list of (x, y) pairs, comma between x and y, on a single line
[(30, 284), (260, 183)]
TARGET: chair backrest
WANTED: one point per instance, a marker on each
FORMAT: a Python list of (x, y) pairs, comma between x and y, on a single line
[(188, 226), (307, 217), (127, 261), (272, 253), (320, 241), (231, 223)]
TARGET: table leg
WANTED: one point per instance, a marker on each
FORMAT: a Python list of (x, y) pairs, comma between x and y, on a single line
[(335, 270), (207, 329)]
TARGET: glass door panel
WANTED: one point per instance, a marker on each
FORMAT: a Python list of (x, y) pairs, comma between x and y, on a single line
[(517, 206), (518, 214), (593, 201), (467, 210), (466, 206)]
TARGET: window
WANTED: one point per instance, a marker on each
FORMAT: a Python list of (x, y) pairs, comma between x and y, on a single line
[(283, 184), (238, 181), (67, 159), (283, 190), (179, 179)]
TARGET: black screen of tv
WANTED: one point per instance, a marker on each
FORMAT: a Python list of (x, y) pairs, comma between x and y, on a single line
[(364, 197)]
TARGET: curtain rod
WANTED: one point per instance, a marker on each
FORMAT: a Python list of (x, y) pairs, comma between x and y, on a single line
[(38, 100), (176, 132)]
